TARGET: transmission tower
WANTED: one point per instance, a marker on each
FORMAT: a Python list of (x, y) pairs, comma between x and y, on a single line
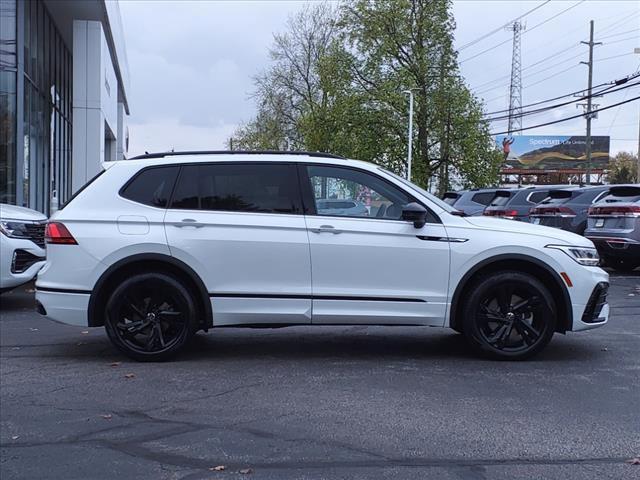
[(515, 89)]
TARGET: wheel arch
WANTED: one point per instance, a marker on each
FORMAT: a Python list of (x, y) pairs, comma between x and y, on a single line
[(145, 262), (521, 263)]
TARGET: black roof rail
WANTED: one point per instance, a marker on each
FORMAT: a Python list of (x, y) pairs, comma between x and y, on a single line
[(235, 152)]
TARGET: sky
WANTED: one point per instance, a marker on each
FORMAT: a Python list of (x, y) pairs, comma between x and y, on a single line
[(192, 63)]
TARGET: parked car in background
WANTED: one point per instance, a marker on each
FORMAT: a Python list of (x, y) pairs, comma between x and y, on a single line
[(163, 245), (515, 204), (614, 227), (341, 206), (567, 209), (470, 202), (22, 251)]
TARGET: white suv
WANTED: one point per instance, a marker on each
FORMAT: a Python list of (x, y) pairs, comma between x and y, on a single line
[(163, 245)]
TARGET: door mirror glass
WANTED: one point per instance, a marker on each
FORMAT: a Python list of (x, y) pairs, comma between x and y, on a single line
[(416, 213)]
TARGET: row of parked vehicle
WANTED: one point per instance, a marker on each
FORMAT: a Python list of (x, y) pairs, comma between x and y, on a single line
[(608, 215)]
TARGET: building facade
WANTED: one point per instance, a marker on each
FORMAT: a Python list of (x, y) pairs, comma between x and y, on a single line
[(63, 97)]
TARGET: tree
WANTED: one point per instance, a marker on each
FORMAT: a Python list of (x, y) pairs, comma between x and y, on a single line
[(623, 168), (336, 84)]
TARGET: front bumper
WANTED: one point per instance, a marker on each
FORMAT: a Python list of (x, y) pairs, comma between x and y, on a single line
[(20, 261), (65, 307), (591, 309)]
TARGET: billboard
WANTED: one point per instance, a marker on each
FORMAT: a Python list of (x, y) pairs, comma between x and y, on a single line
[(552, 152)]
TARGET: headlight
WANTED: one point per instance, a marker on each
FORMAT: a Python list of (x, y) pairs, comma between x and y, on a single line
[(14, 229), (587, 256)]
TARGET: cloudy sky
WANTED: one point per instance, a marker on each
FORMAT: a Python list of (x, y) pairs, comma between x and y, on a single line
[(192, 62)]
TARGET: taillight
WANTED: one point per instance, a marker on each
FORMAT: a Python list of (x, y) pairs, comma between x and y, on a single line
[(501, 213), (57, 233), (613, 210), (556, 211)]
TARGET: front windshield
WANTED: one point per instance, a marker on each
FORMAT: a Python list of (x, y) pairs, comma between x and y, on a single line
[(442, 204)]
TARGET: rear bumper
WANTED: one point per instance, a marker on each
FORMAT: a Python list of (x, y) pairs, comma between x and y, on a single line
[(64, 307), (618, 247)]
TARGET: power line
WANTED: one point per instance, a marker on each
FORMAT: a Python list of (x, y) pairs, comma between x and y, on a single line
[(473, 42), (566, 119), (566, 95), (616, 24), (530, 29), (558, 105)]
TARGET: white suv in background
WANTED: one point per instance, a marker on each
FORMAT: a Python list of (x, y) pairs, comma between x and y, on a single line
[(21, 245), (161, 246)]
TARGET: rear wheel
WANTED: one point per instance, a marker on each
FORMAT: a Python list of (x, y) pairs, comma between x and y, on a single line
[(509, 316), (150, 317)]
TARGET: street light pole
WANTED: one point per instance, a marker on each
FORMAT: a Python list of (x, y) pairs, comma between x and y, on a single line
[(410, 147)]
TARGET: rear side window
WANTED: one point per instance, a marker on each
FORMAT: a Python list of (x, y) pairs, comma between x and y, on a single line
[(152, 186), (501, 199), (262, 188), (451, 198), (483, 198), (537, 197)]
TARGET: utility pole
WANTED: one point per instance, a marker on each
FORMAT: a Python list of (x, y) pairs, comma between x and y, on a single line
[(637, 50), (588, 114), (515, 88), (410, 147)]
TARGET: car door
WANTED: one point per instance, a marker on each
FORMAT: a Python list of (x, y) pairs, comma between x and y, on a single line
[(368, 265), (240, 226)]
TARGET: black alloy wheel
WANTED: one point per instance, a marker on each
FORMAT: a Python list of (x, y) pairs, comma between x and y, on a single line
[(509, 316), (150, 317)]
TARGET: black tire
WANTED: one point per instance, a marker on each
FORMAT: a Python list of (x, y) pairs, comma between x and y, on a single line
[(622, 264), (151, 317), (508, 315)]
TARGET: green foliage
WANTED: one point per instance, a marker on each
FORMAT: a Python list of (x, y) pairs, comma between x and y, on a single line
[(623, 168), (336, 85)]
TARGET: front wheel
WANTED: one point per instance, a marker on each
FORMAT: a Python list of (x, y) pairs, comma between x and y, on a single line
[(150, 317), (509, 315)]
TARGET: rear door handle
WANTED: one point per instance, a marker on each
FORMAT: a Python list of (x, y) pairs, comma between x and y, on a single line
[(325, 229), (189, 222)]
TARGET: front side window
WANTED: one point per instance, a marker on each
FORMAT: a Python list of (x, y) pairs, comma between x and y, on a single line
[(347, 192), (152, 186), (260, 188)]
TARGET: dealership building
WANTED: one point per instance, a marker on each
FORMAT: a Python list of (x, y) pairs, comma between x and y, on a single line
[(63, 97)]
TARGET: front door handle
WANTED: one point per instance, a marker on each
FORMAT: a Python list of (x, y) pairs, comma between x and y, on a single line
[(325, 229), (189, 222)]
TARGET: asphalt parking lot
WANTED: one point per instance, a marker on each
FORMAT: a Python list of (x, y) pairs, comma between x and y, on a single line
[(330, 402)]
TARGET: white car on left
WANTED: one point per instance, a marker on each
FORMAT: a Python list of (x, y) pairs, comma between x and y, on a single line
[(22, 252)]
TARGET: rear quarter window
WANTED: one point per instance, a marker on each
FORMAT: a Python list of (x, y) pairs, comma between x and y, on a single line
[(152, 186)]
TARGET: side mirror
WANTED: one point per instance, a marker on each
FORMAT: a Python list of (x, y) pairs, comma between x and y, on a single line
[(416, 213)]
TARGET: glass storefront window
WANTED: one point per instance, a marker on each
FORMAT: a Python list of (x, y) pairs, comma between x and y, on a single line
[(8, 100)]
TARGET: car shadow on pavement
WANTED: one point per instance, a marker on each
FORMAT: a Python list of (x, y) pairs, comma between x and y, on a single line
[(362, 343)]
